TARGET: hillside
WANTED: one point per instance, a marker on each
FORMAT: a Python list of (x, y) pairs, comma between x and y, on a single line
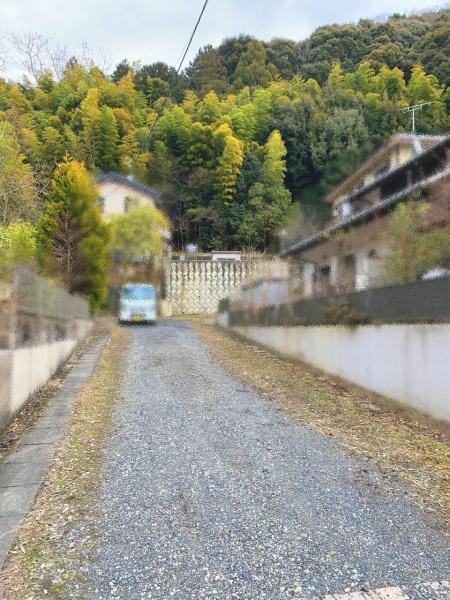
[(249, 128), (399, 41)]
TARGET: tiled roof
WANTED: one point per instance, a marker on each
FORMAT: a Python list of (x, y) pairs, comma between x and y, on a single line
[(135, 185)]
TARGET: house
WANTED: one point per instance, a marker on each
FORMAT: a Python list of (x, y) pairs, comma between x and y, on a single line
[(345, 255), (117, 193)]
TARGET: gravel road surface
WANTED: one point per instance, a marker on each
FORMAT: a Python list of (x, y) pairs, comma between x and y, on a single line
[(211, 492)]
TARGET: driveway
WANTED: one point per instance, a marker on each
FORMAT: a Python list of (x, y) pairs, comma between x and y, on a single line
[(211, 492)]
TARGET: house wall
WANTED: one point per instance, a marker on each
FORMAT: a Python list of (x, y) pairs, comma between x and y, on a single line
[(392, 157), (358, 242), (407, 363), (114, 195), (405, 152)]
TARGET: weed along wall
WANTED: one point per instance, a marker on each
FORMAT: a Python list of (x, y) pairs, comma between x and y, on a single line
[(40, 326), (406, 362)]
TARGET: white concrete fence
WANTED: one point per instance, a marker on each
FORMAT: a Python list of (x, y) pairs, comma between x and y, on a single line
[(408, 362), (40, 326)]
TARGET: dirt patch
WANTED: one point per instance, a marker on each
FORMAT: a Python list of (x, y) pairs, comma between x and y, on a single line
[(39, 565), (402, 442)]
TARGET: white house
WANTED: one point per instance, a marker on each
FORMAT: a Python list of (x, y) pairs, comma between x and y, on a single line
[(116, 191)]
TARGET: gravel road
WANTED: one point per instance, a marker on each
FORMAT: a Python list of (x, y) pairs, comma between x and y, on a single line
[(211, 492)]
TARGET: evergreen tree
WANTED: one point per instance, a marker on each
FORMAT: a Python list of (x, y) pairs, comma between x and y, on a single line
[(90, 116), (138, 233), (229, 164), (54, 145), (209, 110), (156, 88), (17, 245), (207, 72), (253, 68), (422, 87), (71, 237), (121, 70), (269, 200), (18, 197), (433, 48)]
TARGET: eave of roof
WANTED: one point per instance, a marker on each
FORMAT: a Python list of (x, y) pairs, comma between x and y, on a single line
[(392, 141), (393, 172), (136, 185), (361, 216)]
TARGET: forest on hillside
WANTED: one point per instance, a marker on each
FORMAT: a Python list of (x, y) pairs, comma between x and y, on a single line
[(250, 136)]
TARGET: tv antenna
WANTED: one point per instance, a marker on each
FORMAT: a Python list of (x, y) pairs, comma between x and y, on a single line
[(413, 109)]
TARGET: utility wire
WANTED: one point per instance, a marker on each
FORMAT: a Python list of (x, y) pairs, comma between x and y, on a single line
[(177, 72)]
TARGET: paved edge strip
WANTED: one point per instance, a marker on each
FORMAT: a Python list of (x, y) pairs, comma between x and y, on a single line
[(22, 472), (428, 590)]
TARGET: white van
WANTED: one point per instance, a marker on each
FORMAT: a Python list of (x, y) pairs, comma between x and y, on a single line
[(137, 303)]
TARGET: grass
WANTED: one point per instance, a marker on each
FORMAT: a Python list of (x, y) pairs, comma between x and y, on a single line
[(39, 565), (413, 448)]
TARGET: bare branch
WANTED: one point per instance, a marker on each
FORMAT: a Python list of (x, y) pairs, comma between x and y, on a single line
[(103, 60), (31, 49), (57, 58), (4, 59)]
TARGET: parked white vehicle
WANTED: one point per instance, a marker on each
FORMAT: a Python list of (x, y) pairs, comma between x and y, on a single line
[(137, 303)]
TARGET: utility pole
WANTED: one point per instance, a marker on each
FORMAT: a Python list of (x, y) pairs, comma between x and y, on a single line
[(413, 109)]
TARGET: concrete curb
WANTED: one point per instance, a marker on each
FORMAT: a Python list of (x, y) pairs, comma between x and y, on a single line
[(22, 472)]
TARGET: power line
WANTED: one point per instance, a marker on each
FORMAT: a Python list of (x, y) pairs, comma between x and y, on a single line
[(177, 72)]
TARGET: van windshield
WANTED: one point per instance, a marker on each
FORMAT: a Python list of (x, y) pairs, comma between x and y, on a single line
[(137, 292)]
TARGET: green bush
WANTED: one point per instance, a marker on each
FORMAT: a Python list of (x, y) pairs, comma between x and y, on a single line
[(17, 245)]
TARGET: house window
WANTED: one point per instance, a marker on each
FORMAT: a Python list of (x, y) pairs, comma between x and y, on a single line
[(325, 274), (101, 204), (130, 202), (345, 209), (372, 254), (349, 261), (348, 275), (322, 281)]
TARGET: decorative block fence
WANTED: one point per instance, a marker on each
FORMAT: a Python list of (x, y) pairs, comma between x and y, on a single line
[(197, 286), (40, 325)]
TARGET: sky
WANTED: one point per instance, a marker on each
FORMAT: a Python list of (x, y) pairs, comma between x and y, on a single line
[(151, 30)]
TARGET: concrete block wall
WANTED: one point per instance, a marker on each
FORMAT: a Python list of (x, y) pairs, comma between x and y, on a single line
[(25, 369), (40, 326), (408, 363)]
